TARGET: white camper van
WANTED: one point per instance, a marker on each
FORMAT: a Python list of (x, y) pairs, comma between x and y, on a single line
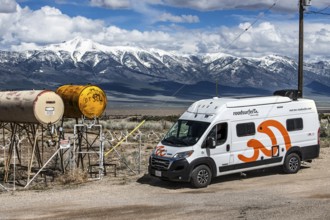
[(220, 136)]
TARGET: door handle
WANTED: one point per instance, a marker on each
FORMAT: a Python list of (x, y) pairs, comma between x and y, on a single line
[(228, 147)]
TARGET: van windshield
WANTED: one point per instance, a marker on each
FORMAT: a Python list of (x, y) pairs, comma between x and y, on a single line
[(185, 133)]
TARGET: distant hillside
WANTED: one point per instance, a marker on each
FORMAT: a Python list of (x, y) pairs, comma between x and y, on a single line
[(128, 73)]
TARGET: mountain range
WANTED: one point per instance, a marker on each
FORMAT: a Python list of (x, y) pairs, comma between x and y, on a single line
[(131, 74)]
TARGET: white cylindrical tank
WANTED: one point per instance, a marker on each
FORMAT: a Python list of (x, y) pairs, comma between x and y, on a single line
[(31, 106)]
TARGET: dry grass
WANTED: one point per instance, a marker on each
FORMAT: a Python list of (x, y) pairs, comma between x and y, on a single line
[(140, 144), (163, 111), (325, 142), (76, 176)]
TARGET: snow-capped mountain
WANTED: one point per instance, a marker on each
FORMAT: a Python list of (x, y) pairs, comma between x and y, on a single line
[(129, 71)]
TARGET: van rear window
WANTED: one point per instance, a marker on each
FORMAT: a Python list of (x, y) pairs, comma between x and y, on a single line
[(245, 129), (294, 124)]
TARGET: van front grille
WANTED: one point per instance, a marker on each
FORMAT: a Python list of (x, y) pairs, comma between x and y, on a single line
[(160, 163)]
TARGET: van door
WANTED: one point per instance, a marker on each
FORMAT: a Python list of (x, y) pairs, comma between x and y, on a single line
[(221, 137)]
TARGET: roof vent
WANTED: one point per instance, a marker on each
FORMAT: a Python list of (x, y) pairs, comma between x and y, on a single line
[(291, 93)]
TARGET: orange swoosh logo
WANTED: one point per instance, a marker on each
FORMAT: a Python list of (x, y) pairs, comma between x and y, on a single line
[(257, 146)]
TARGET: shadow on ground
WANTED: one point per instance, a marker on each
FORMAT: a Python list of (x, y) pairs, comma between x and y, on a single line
[(154, 181)]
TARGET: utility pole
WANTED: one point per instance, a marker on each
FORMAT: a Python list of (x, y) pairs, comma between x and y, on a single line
[(302, 5)]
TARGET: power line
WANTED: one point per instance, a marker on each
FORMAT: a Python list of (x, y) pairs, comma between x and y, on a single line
[(319, 11), (315, 12), (229, 45), (324, 9), (253, 23)]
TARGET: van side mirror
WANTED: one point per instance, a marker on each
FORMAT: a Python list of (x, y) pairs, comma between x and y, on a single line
[(210, 142)]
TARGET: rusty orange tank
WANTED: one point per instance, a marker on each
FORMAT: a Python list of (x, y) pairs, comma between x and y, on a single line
[(82, 100)]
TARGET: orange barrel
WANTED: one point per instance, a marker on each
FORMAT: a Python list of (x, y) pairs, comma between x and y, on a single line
[(89, 101), (31, 106)]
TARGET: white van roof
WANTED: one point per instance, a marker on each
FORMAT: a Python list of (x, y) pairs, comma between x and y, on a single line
[(226, 108), (212, 106), (258, 101)]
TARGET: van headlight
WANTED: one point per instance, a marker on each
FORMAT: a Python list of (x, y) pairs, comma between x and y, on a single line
[(183, 155)]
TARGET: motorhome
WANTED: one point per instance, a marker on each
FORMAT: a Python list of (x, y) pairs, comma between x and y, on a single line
[(221, 136)]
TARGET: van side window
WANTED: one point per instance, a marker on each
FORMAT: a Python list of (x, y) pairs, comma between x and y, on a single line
[(294, 124), (245, 129), (219, 133)]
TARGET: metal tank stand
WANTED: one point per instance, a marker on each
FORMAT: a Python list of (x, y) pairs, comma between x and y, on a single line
[(64, 144), (64, 157), (25, 150), (4, 147), (3, 187), (88, 148)]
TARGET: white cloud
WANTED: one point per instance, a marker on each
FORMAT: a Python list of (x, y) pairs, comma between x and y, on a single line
[(276, 38), (179, 19), (198, 5), (209, 5), (120, 37), (8, 6), (24, 46), (114, 4), (317, 40), (124, 4), (47, 25), (145, 8), (27, 28), (261, 40)]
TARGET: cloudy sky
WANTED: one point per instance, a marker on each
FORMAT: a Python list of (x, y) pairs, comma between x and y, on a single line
[(250, 28)]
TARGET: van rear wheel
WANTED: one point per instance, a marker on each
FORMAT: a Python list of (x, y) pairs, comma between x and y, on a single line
[(201, 176), (292, 163)]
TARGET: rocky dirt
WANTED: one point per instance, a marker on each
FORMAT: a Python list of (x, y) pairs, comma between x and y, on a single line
[(263, 194)]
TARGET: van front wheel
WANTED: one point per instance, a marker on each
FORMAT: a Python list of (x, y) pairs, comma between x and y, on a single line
[(292, 163), (201, 176)]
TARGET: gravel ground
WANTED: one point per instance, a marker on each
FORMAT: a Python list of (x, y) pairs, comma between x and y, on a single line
[(264, 194)]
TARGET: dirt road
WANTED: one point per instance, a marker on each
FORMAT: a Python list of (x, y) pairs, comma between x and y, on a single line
[(266, 194)]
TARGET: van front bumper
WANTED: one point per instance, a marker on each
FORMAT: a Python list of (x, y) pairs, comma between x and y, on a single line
[(169, 169)]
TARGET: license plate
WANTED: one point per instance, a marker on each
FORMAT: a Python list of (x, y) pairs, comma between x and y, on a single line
[(158, 173)]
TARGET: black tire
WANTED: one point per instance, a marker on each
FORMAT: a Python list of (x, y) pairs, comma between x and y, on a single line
[(292, 163), (201, 176)]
